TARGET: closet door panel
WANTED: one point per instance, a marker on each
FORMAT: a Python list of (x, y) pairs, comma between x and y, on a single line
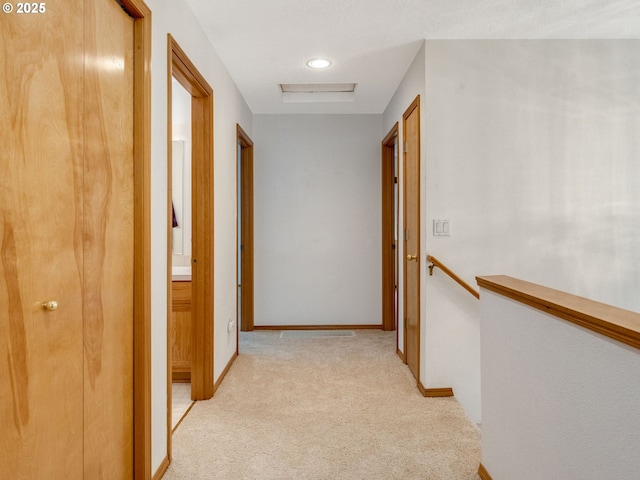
[(108, 241), (41, 236)]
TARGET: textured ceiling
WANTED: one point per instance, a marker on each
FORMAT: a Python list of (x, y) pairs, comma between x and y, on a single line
[(372, 42)]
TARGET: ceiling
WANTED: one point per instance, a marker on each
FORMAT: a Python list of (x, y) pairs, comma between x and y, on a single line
[(372, 43)]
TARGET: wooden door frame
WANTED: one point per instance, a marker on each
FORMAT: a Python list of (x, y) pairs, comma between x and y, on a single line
[(415, 105), (389, 248), (180, 67), (245, 157), (141, 15)]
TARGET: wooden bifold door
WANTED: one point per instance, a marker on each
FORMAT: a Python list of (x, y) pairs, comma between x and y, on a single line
[(66, 241)]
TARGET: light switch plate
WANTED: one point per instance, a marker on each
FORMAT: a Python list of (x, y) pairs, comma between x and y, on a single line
[(441, 228)]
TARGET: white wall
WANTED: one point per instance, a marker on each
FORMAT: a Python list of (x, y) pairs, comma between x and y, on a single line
[(317, 219), (559, 402), (533, 149), (412, 85), (229, 108), (532, 153)]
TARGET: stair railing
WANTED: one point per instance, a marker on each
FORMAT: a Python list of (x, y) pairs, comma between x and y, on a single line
[(437, 263)]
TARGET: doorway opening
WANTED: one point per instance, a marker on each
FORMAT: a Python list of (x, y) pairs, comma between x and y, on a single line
[(390, 209), (181, 232), (245, 231), (190, 291)]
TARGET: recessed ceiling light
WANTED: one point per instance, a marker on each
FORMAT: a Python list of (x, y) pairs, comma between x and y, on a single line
[(318, 63)]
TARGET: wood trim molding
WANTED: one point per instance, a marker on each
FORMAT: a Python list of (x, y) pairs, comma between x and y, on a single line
[(162, 469), (318, 327), (435, 392), (183, 417), (244, 137), (186, 72), (170, 376), (616, 323), (224, 372), (401, 355), (246, 307), (202, 241), (142, 238), (389, 253), (391, 136), (483, 474)]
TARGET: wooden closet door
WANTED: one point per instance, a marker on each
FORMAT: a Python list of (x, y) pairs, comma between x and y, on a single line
[(41, 211), (108, 241), (66, 223)]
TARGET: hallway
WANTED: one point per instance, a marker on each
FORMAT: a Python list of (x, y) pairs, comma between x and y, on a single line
[(323, 407)]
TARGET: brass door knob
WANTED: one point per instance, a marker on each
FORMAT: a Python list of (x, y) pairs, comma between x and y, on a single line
[(50, 306), (412, 257)]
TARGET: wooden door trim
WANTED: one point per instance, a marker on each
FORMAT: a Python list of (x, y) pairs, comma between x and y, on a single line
[(180, 67), (141, 15), (414, 105), (389, 256), (245, 145)]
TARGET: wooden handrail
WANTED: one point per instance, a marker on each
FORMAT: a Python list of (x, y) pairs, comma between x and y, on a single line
[(437, 263)]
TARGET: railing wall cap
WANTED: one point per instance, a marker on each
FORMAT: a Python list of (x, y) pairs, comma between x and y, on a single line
[(613, 322)]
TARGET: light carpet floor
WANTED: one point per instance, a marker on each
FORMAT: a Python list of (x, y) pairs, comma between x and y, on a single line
[(323, 408)]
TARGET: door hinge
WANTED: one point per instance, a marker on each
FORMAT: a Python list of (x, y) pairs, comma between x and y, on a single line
[(406, 234), (395, 179), (404, 147)]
